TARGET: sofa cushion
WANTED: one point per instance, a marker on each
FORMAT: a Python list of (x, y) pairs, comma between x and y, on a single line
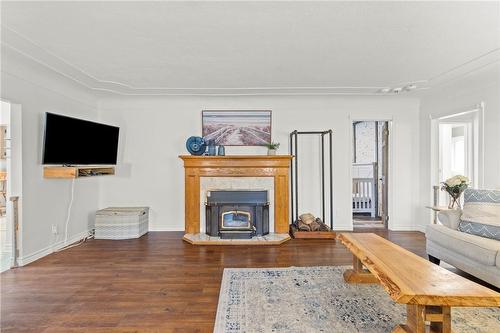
[(481, 249), (481, 213), (479, 229)]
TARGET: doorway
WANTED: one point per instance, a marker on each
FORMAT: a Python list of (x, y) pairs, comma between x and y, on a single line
[(5, 213), (457, 149), (370, 167), (10, 183)]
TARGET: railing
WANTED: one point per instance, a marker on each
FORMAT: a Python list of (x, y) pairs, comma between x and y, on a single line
[(364, 188)]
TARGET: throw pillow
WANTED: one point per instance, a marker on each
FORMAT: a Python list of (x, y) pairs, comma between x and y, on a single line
[(481, 213)]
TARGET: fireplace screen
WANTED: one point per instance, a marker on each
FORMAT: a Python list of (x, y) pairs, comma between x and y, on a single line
[(236, 220)]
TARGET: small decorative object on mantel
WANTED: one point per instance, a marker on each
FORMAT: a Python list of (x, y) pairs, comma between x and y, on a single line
[(196, 145), (211, 151), (221, 151), (308, 226), (272, 148), (455, 186)]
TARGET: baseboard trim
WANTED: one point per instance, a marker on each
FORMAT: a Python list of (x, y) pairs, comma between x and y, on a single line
[(421, 228), (343, 227), (25, 260), (164, 228), (405, 228)]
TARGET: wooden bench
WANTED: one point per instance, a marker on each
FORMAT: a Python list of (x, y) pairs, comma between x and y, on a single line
[(429, 291)]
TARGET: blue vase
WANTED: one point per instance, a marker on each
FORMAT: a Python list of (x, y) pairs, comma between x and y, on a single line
[(221, 151), (211, 148)]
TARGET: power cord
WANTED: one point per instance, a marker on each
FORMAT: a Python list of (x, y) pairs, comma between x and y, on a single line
[(68, 217), (69, 211), (77, 243)]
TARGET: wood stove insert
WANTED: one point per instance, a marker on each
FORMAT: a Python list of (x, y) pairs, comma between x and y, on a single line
[(237, 214)]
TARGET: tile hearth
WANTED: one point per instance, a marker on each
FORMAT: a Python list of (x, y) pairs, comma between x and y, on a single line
[(204, 239)]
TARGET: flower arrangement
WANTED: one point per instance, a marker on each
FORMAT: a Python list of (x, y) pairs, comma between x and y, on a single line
[(455, 186)]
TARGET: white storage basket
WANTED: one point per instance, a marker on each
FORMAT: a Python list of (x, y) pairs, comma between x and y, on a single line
[(121, 222)]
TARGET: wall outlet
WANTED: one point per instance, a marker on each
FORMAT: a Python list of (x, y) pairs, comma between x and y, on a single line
[(54, 229)]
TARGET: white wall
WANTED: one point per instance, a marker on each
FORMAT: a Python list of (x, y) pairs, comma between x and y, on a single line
[(153, 134), (459, 96), (45, 201), (154, 130)]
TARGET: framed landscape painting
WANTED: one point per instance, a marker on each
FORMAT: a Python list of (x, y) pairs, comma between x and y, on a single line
[(237, 128)]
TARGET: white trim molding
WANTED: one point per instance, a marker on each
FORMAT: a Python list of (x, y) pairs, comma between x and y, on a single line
[(27, 259), (28, 48)]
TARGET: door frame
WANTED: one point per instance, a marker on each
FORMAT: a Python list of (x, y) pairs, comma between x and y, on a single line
[(15, 179), (390, 176), (477, 114)]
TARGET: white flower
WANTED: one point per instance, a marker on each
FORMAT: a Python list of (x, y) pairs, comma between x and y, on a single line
[(456, 180), (464, 179), (453, 182)]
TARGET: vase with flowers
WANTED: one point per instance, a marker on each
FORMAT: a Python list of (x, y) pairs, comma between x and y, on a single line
[(455, 186)]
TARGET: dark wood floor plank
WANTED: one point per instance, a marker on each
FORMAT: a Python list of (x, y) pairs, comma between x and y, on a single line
[(157, 283)]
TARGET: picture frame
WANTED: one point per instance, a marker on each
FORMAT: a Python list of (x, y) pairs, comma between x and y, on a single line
[(237, 127)]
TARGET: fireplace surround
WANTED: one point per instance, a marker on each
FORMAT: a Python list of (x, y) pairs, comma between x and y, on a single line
[(276, 168), (237, 214)]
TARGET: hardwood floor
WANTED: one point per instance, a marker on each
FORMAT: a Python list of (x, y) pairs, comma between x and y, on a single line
[(157, 283)]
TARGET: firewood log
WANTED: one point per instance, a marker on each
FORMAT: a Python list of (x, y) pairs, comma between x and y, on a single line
[(322, 225), (307, 218), (304, 227), (315, 226)]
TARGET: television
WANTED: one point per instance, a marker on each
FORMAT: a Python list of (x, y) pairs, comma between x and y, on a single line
[(72, 141)]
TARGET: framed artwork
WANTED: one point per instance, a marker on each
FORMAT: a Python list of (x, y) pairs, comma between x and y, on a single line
[(238, 127)]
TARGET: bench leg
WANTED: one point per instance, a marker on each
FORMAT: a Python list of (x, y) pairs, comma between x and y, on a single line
[(438, 316), (358, 274)]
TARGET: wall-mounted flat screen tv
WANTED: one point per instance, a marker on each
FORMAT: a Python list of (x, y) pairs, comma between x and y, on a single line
[(72, 141)]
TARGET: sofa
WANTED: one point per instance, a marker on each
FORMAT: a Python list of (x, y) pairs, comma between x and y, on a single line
[(469, 239)]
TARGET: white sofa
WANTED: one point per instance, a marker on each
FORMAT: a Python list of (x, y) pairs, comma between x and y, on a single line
[(476, 255)]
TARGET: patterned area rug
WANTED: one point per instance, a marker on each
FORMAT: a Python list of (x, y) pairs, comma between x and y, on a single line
[(316, 299)]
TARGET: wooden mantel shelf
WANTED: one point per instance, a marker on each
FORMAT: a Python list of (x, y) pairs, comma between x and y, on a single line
[(240, 157), (276, 166), (237, 160)]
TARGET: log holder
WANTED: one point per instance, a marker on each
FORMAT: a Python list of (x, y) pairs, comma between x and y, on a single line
[(294, 174)]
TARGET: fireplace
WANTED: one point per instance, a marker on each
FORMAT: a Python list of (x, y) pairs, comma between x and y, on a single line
[(237, 214)]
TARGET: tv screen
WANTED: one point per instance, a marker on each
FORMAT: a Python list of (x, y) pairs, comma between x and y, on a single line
[(75, 141)]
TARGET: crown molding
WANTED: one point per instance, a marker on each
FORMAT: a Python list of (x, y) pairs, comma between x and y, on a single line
[(470, 67), (31, 50)]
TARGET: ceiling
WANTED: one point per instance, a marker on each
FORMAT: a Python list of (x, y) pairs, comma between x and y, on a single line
[(163, 48)]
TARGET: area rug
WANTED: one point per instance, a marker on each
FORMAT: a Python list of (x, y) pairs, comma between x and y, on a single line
[(316, 299)]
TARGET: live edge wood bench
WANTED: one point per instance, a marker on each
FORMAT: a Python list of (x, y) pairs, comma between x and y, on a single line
[(429, 291)]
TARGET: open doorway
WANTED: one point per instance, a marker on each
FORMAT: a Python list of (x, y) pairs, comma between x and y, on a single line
[(10, 182), (5, 213), (370, 166), (458, 148)]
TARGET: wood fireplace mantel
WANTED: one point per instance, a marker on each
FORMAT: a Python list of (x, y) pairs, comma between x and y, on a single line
[(236, 166)]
